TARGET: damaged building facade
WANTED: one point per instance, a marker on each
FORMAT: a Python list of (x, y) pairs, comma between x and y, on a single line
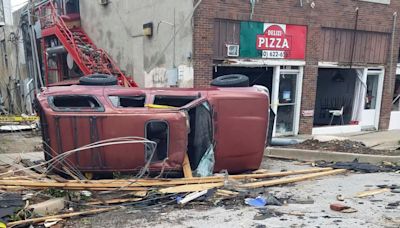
[(16, 93), (157, 59), (330, 66)]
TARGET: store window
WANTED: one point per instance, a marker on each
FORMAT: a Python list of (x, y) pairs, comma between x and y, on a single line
[(396, 95), (335, 96)]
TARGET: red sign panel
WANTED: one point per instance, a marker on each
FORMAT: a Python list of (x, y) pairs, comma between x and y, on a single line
[(281, 41)]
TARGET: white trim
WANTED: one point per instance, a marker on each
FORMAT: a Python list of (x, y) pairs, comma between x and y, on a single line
[(263, 62), (328, 130), (338, 65), (299, 89), (394, 123), (379, 98), (398, 69), (275, 95)]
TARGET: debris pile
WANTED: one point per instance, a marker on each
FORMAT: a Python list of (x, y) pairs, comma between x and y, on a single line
[(363, 167), (346, 146), (48, 199)]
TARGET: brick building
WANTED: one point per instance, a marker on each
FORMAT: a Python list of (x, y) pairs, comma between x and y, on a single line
[(330, 65), (336, 72)]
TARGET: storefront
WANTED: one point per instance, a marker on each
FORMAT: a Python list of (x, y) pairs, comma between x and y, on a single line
[(348, 99), (271, 55)]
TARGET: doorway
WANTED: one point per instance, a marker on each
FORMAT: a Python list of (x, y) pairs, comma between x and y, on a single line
[(286, 105), (373, 80), (284, 84), (257, 75)]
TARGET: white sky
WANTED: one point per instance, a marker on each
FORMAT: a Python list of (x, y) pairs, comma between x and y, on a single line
[(16, 4)]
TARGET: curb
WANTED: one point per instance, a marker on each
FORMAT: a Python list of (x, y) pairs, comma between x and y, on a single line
[(315, 155)]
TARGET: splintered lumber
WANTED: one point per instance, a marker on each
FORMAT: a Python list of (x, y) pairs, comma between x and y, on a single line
[(201, 187), (143, 184), (68, 185), (19, 188), (203, 180), (187, 170), (113, 201), (279, 174), (140, 184), (291, 179), (226, 193), (190, 188), (60, 216), (372, 192)]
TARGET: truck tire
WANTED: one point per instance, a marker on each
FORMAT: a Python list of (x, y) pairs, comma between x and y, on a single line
[(231, 80), (98, 80)]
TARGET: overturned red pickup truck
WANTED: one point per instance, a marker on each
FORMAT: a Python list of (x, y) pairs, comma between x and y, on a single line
[(233, 122)]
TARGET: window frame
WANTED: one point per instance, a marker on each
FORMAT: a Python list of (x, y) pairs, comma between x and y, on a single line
[(50, 100), (126, 96), (168, 139)]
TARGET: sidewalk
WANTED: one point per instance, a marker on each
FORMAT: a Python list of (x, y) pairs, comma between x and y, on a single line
[(380, 140)]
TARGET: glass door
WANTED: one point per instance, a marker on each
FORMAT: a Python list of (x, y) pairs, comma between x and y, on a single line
[(286, 103), (372, 99)]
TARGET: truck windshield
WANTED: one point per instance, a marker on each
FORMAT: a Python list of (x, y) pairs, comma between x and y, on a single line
[(201, 132)]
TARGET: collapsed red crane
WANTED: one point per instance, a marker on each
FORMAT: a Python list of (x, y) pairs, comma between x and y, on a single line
[(76, 42)]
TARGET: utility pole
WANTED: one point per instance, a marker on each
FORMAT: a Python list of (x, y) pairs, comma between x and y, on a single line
[(36, 65)]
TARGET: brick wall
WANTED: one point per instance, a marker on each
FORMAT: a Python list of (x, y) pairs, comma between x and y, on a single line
[(326, 13)]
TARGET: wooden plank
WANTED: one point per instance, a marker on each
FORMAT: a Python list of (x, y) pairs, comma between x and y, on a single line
[(190, 188), (187, 170), (343, 42), (212, 179), (292, 179), (68, 185), (24, 188), (113, 183), (363, 46), (372, 192), (336, 46), (113, 201), (226, 192), (60, 216)]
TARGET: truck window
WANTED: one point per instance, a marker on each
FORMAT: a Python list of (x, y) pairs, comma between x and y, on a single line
[(128, 101), (75, 103), (157, 131), (175, 101), (201, 133)]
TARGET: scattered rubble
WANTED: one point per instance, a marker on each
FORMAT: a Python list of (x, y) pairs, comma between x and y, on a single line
[(51, 198), (360, 166), (346, 146), (342, 208)]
